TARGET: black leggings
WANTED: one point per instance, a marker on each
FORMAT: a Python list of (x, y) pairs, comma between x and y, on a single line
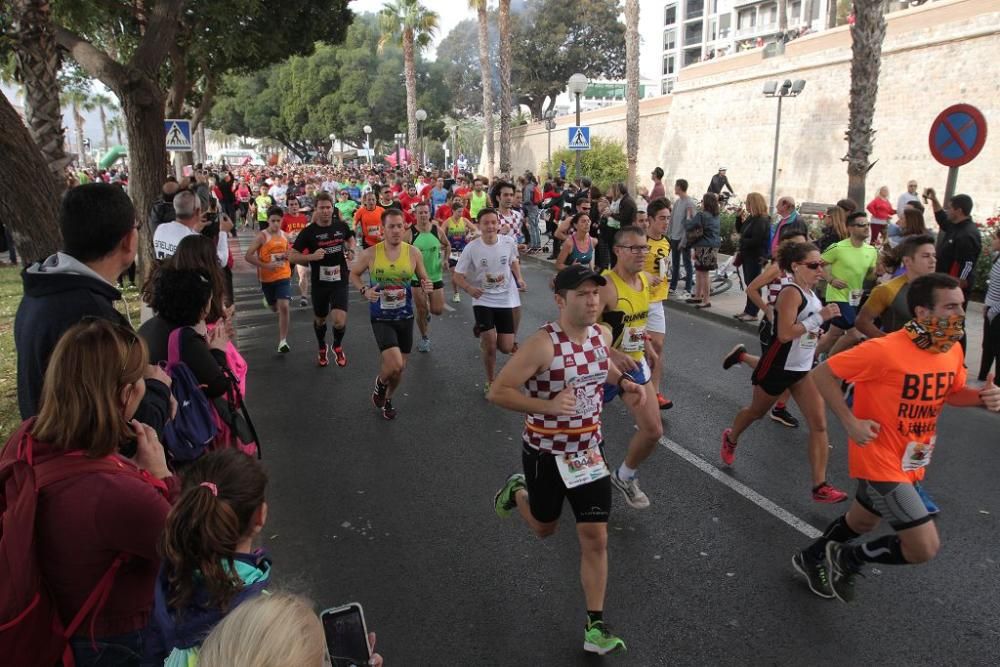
[(991, 349)]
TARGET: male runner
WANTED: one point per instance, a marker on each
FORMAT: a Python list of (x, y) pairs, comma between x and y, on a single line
[(625, 311), (478, 200), (655, 266), (292, 223), (269, 253), (262, 203), (557, 378), (511, 219), (391, 266), (887, 302), (849, 264), (368, 221), (902, 380), (432, 243), (490, 272), (326, 245)]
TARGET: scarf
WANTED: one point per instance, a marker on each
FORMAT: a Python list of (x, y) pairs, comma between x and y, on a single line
[(935, 334)]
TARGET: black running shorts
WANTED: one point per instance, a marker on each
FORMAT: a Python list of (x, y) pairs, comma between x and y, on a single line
[(501, 319), (394, 333), (591, 503), (329, 296)]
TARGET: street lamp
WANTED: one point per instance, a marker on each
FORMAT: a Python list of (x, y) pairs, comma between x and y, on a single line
[(785, 89), (550, 125), (368, 143), (577, 86), (421, 117), (332, 138)]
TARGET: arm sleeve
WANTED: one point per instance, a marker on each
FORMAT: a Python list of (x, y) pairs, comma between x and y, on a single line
[(465, 263), (301, 244), (858, 364), (205, 363)]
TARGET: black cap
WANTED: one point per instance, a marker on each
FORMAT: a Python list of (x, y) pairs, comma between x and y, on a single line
[(575, 275)]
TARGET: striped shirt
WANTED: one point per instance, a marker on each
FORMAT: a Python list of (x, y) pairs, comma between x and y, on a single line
[(992, 300)]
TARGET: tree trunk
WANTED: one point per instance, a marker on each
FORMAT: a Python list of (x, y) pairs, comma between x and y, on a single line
[(486, 72), (782, 16), (31, 215), (38, 62), (867, 35), (81, 160), (632, 90), (831, 14), (104, 128), (409, 65), (505, 97)]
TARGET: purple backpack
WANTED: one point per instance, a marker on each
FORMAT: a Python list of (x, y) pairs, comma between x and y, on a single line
[(192, 430)]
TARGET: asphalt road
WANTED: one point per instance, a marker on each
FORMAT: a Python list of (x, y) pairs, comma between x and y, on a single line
[(398, 516)]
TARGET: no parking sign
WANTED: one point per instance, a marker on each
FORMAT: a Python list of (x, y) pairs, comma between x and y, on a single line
[(957, 136)]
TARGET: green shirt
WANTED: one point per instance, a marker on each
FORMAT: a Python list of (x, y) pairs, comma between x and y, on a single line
[(263, 202), (347, 209), (476, 203), (852, 265), (429, 246)]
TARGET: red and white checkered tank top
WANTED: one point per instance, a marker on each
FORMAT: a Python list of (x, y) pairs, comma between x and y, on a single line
[(583, 367)]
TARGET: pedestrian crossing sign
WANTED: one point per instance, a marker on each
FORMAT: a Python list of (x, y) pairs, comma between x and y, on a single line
[(178, 134), (579, 138)]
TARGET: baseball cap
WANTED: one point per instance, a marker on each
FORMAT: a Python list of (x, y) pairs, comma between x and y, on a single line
[(575, 275)]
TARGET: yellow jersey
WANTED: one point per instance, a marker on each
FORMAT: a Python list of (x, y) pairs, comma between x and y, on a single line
[(627, 318)]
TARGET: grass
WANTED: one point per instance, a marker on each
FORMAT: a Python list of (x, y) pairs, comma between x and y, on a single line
[(10, 297)]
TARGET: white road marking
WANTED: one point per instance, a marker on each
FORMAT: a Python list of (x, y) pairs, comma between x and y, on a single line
[(449, 308), (768, 506)]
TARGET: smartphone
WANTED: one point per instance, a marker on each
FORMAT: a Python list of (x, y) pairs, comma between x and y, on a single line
[(346, 635)]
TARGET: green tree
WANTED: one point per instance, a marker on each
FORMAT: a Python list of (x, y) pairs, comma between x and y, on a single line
[(102, 102), (79, 101), (603, 164), (458, 54)]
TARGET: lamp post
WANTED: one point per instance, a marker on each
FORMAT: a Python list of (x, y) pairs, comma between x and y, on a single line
[(368, 143), (577, 86), (550, 125), (785, 89), (421, 117)]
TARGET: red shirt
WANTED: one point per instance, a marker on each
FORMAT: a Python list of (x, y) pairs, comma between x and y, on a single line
[(443, 212), (463, 191), (408, 202), (293, 224), (880, 209)]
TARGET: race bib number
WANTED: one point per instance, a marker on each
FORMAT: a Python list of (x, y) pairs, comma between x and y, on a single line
[(855, 298), (392, 298), (808, 341), (579, 468), (454, 256), (329, 274), (495, 282), (917, 455), (634, 339), (278, 257), (374, 232)]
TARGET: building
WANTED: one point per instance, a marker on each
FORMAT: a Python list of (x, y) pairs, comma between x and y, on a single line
[(603, 93)]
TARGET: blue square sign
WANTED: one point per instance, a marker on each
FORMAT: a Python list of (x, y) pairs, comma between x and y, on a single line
[(178, 134), (579, 138)]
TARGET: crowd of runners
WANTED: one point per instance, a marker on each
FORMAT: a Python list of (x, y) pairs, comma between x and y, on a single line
[(874, 333)]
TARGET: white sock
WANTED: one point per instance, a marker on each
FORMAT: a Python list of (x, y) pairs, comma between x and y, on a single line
[(625, 473)]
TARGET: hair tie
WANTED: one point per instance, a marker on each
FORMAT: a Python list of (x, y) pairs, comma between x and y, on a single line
[(211, 487)]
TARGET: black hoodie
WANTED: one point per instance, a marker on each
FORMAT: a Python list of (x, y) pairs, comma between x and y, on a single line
[(58, 293)]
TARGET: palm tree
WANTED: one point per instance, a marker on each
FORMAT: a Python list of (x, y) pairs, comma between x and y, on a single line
[(632, 89), (505, 100), (486, 73), (116, 123), (79, 100), (867, 35), (414, 24), (102, 102)]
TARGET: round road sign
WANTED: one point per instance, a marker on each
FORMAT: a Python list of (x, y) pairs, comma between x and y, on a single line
[(957, 135)]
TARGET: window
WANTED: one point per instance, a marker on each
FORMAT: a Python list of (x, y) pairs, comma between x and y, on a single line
[(668, 65), (695, 9), (768, 15), (724, 21), (692, 56), (794, 9), (670, 15), (746, 19), (692, 33), (667, 87), (669, 40), (713, 29)]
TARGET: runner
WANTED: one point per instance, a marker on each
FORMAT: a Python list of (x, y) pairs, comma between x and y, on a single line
[(478, 200), (262, 203), (269, 253), (578, 248), (798, 318), (391, 266), (292, 223), (368, 221), (432, 243), (625, 311), (887, 304), (902, 380), (326, 244), (849, 264), (346, 205), (556, 378), (459, 230), (657, 260), (490, 272)]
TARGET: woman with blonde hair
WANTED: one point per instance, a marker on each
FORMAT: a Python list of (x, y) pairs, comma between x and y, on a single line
[(834, 229), (755, 233)]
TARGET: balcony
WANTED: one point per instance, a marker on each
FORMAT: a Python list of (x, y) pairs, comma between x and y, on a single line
[(758, 30)]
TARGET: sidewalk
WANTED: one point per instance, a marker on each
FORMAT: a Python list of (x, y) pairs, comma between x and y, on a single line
[(732, 301)]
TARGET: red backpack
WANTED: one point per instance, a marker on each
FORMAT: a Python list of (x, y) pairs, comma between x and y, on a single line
[(31, 631)]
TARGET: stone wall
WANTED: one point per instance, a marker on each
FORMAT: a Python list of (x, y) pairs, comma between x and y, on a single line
[(935, 55)]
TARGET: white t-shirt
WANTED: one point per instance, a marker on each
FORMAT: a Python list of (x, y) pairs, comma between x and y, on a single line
[(169, 234), (488, 268)]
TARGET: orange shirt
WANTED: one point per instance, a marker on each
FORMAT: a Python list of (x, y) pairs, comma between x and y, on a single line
[(902, 388), (274, 249), (368, 225)]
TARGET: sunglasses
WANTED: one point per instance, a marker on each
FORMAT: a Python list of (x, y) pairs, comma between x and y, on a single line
[(635, 249), (815, 266)]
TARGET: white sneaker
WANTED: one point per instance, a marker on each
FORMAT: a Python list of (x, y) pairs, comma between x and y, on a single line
[(634, 496), (283, 346)]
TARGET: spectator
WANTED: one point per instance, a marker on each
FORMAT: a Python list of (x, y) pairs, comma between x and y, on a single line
[(911, 223), (209, 564), (719, 183), (849, 205), (907, 197), (787, 217), (706, 248), (753, 248), (991, 322), (657, 191), (881, 210), (834, 228), (682, 211), (106, 520), (187, 208), (163, 208), (530, 209), (100, 240), (959, 242)]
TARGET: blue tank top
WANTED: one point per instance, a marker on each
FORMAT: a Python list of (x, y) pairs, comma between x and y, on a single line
[(577, 256)]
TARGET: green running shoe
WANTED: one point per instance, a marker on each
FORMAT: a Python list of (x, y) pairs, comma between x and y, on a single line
[(504, 502), (598, 639)]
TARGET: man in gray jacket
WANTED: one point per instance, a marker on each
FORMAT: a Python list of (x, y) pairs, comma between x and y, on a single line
[(683, 210)]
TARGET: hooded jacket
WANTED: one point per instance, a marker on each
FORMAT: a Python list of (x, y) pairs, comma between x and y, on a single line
[(58, 293)]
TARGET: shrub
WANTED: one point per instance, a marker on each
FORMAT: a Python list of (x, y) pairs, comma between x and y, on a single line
[(603, 164)]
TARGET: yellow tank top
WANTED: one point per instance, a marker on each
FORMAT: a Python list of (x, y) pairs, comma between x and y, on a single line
[(627, 318), (656, 265), (274, 249), (392, 279)]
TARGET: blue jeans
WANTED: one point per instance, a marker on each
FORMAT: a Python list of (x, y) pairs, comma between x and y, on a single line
[(676, 253), (117, 651), (534, 236)]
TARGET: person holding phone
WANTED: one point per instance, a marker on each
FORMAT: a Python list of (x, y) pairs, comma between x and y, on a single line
[(564, 367)]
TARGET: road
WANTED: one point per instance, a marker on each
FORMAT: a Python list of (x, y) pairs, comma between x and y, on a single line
[(398, 515)]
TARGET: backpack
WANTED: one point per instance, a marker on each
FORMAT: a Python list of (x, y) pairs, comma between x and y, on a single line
[(31, 631), (235, 428), (192, 430)]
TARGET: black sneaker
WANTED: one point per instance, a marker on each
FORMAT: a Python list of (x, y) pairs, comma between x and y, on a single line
[(841, 572), (378, 396), (815, 573), (783, 416), (388, 412), (733, 357)]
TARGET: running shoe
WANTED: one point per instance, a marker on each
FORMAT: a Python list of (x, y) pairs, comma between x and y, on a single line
[(388, 412), (457, 298), (734, 357), (338, 354), (486, 389), (829, 494), (504, 502), (322, 360), (283, 346), (841, 572), (815, 573), (378, 396), (634, 496), (784, 417), (932, 507), (424, 345), (664, 402), (597, 638), (303, 302), (728, 451)]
